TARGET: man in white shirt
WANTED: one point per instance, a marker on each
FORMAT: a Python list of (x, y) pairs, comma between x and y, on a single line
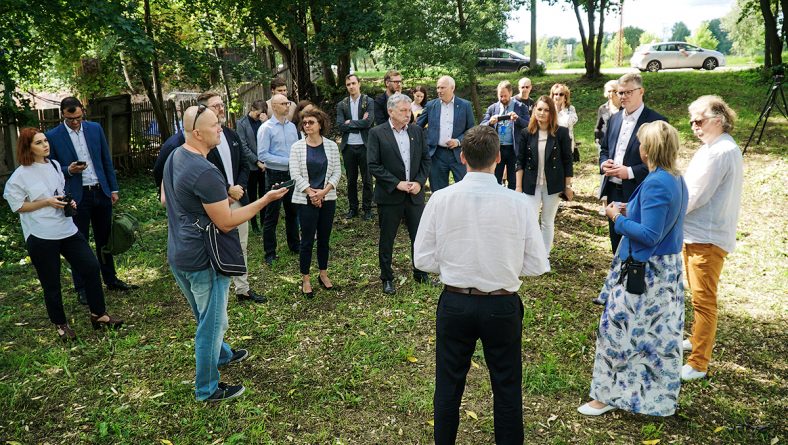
[(714, 181), (480, 238), (619, 155), (354, 119)]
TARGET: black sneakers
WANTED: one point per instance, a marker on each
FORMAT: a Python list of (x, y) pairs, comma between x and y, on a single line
[(226, 392), (239, 355)]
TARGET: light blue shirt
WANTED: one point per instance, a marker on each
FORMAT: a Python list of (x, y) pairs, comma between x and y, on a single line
[(505, 128), (274, 139), (89, 176)]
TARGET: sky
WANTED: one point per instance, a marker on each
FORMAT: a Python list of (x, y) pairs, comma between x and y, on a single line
[(655, 16)]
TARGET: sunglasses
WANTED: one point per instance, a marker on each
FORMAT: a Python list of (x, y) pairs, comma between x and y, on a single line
[(200, 109), (558, 94), (308, 123), (698, 122)]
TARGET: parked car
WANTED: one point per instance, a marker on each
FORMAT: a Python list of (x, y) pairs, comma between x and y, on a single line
[(504, 60), (667, 55)]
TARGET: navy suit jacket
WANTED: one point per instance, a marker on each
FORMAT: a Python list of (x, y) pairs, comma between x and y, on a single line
[(463, 121), (62, 150), (387, 166), (519, 125), (631, 155)]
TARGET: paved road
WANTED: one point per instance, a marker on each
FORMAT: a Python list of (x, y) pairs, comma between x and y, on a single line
[(624, 70)]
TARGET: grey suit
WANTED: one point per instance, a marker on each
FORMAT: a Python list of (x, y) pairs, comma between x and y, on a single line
[(354, 156), (256, 186)]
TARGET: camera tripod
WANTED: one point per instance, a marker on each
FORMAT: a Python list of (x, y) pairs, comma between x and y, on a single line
[(771, 102)]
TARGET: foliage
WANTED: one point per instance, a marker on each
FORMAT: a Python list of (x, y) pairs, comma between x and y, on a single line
[(679, 32), (725, 43), (745, 30), (632, 37), (648, 37), (611, 51), (703, 37)]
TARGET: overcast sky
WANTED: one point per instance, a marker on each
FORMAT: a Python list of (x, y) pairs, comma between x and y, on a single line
[(656, 16)]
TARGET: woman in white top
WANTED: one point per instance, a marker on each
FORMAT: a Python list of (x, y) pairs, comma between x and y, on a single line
[(36, 190), (544, 165), (315, 168), (567, 116), (419, 100)]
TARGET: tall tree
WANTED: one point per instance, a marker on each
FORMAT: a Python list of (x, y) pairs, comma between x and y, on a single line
[(533, 36), (725, 43), (679, 32), (632, 36), (703, 37), (774, 35), (746, 31)]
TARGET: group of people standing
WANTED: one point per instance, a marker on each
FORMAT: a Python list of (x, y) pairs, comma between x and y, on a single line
[(514, 165)]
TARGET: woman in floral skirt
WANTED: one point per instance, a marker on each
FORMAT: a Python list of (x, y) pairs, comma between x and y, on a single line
[(638, 360)]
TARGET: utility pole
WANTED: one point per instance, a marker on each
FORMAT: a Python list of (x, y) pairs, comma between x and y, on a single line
[(620, 46)]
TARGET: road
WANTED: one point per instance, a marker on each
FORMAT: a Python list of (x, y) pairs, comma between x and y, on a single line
[(624, 70)]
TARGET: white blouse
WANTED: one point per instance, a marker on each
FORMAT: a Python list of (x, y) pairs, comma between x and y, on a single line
[(567, 117), (32, 183), (540, 179)]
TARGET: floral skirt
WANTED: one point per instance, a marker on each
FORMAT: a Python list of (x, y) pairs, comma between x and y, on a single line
[(637, 366)]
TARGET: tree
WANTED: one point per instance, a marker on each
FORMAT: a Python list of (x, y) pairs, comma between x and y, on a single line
[(703, 37), (648, 37), (746, 31), (611, 50), (679, 32), (774, 38), (725, 44), (533, 36), (632, 37)]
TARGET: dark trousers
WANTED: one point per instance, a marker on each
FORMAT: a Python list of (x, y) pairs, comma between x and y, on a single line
[(508, 161), (315, 220), (45, 256), (497, 321), (272, 216), (614, 193), (443, 162), (355, 159), (95, 210), (255, 188), (389, 217)]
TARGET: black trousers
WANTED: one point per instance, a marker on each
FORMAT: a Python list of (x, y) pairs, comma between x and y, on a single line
[(509, 161), (497, 321), (272, 216), (320, 221), (355, 159), (389, 217), (95, 210), (45, 256), (614, 193), (255, 188)]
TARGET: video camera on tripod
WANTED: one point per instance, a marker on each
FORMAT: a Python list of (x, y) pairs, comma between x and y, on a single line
[(771, 102)]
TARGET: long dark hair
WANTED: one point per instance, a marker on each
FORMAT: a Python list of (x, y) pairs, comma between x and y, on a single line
[(421, 89), (552, 125)]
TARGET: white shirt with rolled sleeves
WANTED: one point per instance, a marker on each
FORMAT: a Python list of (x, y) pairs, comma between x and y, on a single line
[(714, 180), (478, 234)]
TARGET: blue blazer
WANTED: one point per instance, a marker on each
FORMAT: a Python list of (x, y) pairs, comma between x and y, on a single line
[(62, 150), (463, 121), (631, 155), (519, 125), (658, 202)]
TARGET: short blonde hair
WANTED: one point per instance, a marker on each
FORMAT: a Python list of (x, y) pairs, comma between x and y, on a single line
[(660, 141), (504, 84), (611, 84), (562, 88), (635, 78), (713, 106)]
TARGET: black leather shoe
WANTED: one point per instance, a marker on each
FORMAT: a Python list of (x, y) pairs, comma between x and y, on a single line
[(121, 286), (598, 301), (82, 297), (368, 215), (252, 296), (351, 214), (425, 279), (270, 259), (388, 287)]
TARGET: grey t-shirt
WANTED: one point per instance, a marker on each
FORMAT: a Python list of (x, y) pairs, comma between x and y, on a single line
[(194, 181)]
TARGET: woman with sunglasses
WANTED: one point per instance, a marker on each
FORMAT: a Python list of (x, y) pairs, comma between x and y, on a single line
[(36, 191), (544, 165), (567, 116), (315, 167)]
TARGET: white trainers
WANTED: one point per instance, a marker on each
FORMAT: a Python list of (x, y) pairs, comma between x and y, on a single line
[(686, 346), (588, 410), (689, 373)]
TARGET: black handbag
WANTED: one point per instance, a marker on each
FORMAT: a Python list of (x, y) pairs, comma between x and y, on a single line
[(224, 250)]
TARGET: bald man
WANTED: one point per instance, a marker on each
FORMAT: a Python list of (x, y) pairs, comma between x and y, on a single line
[(449, 117)]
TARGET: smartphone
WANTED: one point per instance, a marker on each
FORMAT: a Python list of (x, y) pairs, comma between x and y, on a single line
[(81, 163), (286, 184), (504, 117)]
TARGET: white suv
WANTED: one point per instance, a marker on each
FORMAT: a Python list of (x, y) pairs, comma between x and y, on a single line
[(666, 55)]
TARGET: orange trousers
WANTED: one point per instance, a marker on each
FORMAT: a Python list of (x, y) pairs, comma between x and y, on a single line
[(703, 266)]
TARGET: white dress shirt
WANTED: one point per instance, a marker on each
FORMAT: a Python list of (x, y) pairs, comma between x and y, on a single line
[(628, 123), (403, 142), (541, 147), (354, 138), (89, 176), (478, 234), (446, 122), (714, 181), (227, 159)]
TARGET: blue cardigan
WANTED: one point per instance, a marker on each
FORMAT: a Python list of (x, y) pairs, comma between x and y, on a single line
[(656, 203)]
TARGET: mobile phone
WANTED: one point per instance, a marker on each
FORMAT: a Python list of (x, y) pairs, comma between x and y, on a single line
[(504, 117), (81, 163), (286, 184)]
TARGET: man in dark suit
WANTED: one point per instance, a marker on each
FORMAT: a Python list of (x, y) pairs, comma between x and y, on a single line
[(619, 155), (83, 153), (247, 127), (393, 82), (398, 158), (228, 158), (353, 121), (509, 117), (448, 117)]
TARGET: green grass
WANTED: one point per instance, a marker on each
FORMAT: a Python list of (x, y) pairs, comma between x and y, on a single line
[(357, 367)]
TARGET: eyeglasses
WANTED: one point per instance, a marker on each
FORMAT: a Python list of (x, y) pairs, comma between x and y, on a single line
[(558, 94), (200, 109), (395, 81), (525, 87), (308, 123), (75, 119), (698, 122), (627, 93), (287, 104)]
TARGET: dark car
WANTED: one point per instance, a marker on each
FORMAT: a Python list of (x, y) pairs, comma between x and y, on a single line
[(504, 60)]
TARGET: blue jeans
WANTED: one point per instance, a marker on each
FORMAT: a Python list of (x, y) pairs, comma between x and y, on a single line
[(206, 292)]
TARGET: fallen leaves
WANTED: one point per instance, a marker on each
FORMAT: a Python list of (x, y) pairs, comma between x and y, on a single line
[(471, 414), (412, 359), (651, 442)]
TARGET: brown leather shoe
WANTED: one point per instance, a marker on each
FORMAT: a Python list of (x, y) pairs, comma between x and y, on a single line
[(65, 332), (109, 323)]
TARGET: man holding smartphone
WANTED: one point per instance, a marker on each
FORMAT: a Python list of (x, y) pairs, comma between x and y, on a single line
[(508, 117), (83, 153)]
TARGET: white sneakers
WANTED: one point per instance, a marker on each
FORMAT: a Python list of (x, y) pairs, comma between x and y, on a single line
[(689, 373), (588, 410), (686, 346)]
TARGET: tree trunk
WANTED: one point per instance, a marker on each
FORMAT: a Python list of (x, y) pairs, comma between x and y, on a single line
[(532, 64), (470, 70), (153, 89), (599, 38), (583, 40), (774, 46), (343, 68), (219, 54)]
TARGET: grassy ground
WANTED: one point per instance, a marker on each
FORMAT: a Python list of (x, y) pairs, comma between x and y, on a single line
[(357, 367)]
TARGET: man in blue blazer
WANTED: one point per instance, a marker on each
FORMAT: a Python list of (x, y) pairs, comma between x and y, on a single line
[(509, 117), (619, 156), (83, 153), (449, 117)]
